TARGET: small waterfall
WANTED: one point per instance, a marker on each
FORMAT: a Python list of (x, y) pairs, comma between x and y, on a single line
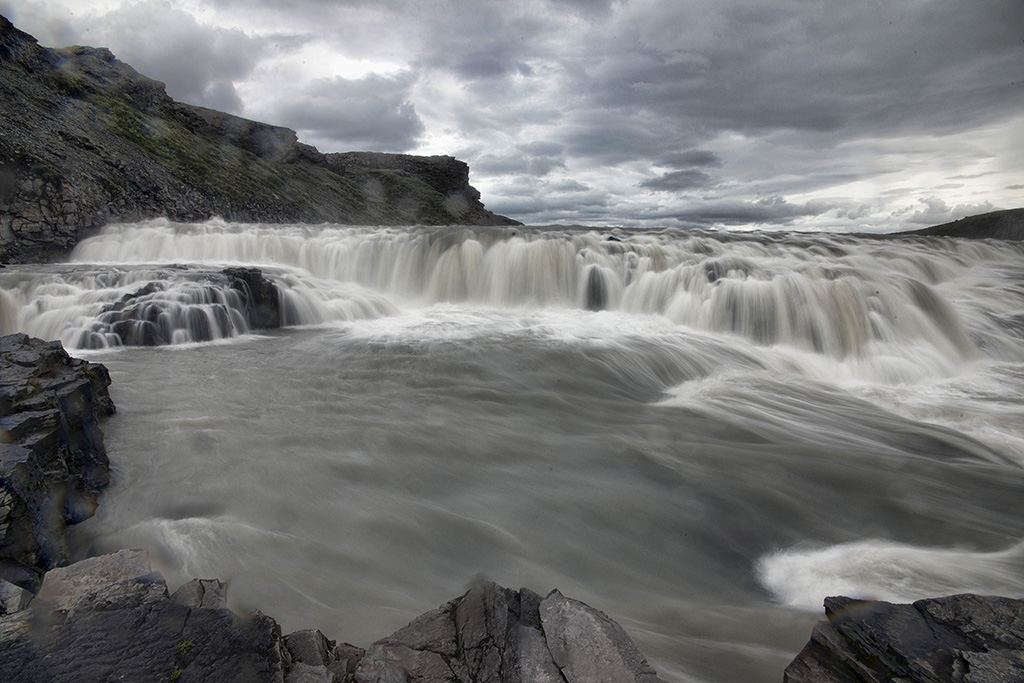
[(89, 308)]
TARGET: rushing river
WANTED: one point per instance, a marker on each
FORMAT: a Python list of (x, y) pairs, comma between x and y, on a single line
[(701, 434)]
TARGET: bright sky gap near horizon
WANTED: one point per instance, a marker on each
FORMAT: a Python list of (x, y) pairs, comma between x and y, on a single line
[(866, 116)]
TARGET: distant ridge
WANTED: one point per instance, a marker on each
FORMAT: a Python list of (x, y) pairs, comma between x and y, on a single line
[(999, 225), (86, 140)]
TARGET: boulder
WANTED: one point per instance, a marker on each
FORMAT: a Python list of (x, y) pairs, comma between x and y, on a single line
[(110, 618), (493, 634), (957, 639)]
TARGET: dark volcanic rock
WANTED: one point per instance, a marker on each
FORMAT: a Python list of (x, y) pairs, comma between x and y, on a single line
[(110, 618), (956, 639), (52, 460), (86, 140), (261, 299)]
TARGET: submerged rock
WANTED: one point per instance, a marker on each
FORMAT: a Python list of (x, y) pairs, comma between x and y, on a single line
[(53, 463), (956, 639)]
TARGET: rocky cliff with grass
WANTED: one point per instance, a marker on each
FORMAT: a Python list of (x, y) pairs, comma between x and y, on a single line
[(86, 140)]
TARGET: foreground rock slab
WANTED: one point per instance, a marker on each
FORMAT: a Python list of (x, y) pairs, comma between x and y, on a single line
[(111, 618), (955, 639), (53, 463), (497, 634)]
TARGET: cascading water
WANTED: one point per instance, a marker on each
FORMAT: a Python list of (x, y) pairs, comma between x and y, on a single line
[(702, 434)]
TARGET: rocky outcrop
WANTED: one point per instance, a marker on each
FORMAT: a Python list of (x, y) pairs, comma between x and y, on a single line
[(53, 463), (494, 634), (112, 618), (956, 639), (197, 307), (86, 140)]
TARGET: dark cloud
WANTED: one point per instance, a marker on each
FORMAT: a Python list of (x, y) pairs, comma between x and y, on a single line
[(735, 212), (678, 181), (372, 113), (495, 61), (689, 159)]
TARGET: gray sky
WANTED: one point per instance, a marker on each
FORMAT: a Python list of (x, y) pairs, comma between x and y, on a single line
[(866, 115)]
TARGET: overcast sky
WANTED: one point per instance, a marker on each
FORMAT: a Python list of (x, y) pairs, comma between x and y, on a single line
[(873, 115)]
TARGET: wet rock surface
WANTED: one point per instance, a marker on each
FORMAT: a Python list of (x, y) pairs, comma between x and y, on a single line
[(213, 305), (53, 463), (956, 639)]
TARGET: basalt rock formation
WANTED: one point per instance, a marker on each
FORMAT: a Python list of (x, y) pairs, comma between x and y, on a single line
[(213, 305), (955, 639), (53, 463), (86, 140)]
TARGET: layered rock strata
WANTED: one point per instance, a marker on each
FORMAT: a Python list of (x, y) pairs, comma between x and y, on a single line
[(111, 618), (86, 140), (53, 463), (955, 639)]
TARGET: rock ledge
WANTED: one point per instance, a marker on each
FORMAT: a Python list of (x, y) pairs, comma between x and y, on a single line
[(956, 639)]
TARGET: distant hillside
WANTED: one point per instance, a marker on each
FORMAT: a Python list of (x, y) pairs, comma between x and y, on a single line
[(1000, 225), (86, 140)]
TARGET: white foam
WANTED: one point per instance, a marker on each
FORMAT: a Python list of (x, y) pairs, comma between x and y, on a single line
[(885, 570)]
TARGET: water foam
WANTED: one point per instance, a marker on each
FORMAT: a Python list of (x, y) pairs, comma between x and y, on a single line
[(885, 570)]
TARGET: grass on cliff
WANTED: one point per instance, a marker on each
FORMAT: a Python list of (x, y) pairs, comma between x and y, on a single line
[(218, 169), (249, 183)]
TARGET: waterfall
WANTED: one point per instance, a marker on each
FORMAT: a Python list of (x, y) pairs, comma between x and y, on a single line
[(833, 295)]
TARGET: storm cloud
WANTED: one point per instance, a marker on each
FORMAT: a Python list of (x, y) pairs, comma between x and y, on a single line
[(730, 113)]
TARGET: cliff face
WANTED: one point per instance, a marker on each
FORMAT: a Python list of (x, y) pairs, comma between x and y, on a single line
[(86, 140)]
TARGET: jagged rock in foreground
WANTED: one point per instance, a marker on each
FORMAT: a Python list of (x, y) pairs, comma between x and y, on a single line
[(86, 140), (497, 634), (53, 463), (111, 618), (957, 639)]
